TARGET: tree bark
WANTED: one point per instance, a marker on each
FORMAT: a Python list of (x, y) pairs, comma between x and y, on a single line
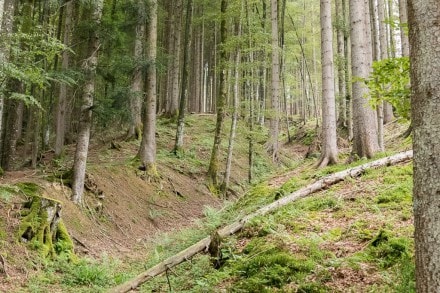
[(89, 67), (230, 229), (148, 145), (137, 83), (61, 107), (380, 52), (348, 73), (236, 104), (2, 6), (424, 32), (221, 100), (252, 89), (403, 16), (329, 153), (275, 84), (173, 102), (387, 114), (7, 23), (184, 85), (340, 27), (391, 41), (365, 142), (13, 129)]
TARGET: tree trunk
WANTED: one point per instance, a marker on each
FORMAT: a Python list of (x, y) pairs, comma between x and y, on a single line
[(13, 128), (388, 115), (221, 100), (184, 85), (89, 67), (365, 142), (7, 23), (236, 104), (403, 16), (174, 100), (61, 107), (251, 89), (424, 32), (380, 51), (391, 41), (275, 84), (148, 145), (2, 6), (329, 154), (137, 93), (348, 73), (340, 26)]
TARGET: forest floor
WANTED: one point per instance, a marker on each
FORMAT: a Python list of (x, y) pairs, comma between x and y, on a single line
[(122, 212), (127, 223)]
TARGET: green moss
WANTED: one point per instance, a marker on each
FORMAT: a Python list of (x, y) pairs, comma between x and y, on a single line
[(271, 269), (63, 244), (7, 191), (292, 185), (257, 245), (387, 249), (35, 229), (318, 204), (65, 177), (406, 275), (3, 233), (30, 189)]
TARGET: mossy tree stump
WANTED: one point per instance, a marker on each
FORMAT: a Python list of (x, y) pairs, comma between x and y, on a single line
[(43, 228)]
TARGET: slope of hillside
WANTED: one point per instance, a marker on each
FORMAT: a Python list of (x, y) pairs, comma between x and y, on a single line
[(354, 237), (128, 224), (122, 212)]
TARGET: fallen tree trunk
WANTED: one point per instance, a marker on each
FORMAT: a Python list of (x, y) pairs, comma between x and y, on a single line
[(238, 225)]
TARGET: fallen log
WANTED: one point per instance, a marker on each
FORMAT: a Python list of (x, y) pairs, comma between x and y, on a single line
[(230, 229)]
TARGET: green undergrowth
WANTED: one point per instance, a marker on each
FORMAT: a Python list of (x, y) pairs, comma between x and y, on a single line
[(355, 236), (84, 275), (358, 230)]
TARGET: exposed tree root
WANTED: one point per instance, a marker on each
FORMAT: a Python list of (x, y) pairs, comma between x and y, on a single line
[(203, 244)]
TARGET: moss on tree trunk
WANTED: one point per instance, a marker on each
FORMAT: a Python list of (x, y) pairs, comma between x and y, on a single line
[(43, 229)]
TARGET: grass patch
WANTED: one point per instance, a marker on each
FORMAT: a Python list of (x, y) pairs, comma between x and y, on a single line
[(85, 275)]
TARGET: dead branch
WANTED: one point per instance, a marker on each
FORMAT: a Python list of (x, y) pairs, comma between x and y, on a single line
[(203, 244)]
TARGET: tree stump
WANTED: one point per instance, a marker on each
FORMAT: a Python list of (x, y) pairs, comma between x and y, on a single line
[(43, 229)]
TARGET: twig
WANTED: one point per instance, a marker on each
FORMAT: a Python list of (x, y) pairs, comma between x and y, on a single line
[(168, 280), (3, 268), (174, 188), (80, 242), (156, 204), (119, 227), (110, 238)]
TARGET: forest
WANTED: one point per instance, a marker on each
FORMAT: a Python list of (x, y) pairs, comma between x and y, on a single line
[(219, 146)]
